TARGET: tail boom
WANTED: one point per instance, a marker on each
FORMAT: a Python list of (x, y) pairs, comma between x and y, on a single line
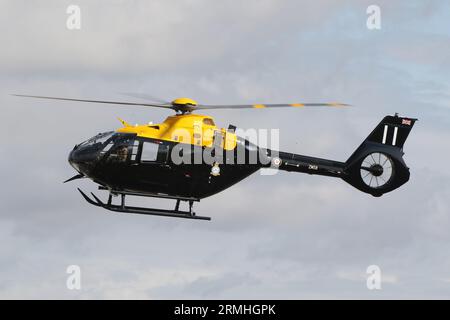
[(305, 164), (376, 167)]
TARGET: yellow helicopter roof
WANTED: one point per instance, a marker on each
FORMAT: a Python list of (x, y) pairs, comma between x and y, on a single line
[(184, 128)]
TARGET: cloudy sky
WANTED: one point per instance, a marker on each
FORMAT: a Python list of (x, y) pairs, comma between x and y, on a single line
[(283, 236)]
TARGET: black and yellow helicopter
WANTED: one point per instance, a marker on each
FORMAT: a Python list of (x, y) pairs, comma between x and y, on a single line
[(188, 158)]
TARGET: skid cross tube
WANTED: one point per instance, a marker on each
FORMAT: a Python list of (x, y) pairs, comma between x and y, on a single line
[(145, 211)]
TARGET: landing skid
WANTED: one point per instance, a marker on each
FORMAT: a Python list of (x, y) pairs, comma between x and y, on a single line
[(176, 213)]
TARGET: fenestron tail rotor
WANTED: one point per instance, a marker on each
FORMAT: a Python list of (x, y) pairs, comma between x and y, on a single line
[(376, 169), (186, 105)]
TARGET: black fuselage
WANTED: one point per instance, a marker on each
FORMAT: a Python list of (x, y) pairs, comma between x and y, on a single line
[(122, 163), (128, 163)]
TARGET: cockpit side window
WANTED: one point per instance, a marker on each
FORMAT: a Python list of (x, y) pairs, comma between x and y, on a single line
[(119, 153), (122, 149)]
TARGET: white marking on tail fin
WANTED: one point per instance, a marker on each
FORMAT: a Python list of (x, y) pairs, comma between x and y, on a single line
[(385, 134), (394, 139)]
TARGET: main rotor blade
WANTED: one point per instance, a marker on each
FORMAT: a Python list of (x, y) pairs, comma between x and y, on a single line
[(147, 97), (98, 101), (189, 108), (282, 105)]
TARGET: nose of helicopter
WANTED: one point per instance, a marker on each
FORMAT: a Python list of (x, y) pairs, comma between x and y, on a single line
[(85, 155), (83, 159)]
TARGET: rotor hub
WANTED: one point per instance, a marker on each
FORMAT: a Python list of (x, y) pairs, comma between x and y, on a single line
[(184, 105), (184, 102), (377, 170)]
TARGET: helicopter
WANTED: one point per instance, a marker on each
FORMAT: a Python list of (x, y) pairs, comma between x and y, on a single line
[(187, 158)]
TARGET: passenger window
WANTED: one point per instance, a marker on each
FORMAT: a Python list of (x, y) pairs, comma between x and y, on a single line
[(149, 151)]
